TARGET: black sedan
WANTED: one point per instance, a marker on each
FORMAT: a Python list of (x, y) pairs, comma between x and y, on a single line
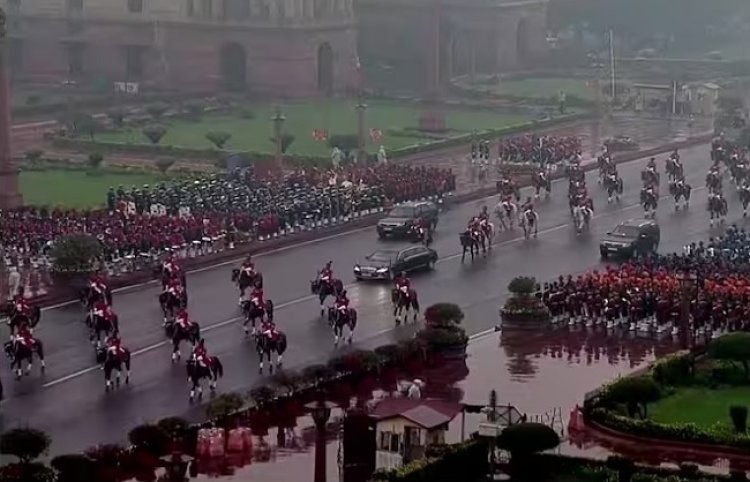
[(388, 263)]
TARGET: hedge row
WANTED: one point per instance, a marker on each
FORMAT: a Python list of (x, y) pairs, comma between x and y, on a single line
[(216, 154)]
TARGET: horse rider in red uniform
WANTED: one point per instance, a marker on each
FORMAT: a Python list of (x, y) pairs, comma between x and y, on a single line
[(201, 354), (248, 267), (183, 319), (257, 296), (403, 284), (20, 304), (269, 329), (342, 304), (25, 337), (114, 345), (103, 310), (97, 284), (174, 287), (326, 274)]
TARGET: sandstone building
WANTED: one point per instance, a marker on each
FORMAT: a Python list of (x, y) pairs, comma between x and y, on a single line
[(268, 47)]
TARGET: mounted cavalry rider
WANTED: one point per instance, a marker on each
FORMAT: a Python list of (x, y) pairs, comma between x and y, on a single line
[(326, 274), (201, 354), (114, 345), (248, 266), (20, 305), (103, 310), (183, 320), (174, 287), (257, 297), (171, 270), (403, 285), (98, 286), (342, 304), (25, 337), (268, 329)]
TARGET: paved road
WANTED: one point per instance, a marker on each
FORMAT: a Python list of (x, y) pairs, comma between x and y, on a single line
[(69, 400)]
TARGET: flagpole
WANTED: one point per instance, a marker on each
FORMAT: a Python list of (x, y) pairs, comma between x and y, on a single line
[(612, 62)]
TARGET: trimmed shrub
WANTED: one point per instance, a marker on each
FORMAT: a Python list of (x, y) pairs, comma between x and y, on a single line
[(522, 285), (218, 138), (26, 444), (173, 427), (154, 132), (441, 315), (149, 438), (262, 394), (635, 392), (157, 109), (95, 160), (224, 405), (528, 438), (286, 141), (164, 164), (734, 347), (675, 370), (73, 468), (75, 253)]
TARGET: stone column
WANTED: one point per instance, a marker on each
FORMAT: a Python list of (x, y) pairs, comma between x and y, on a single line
[(10, 197)]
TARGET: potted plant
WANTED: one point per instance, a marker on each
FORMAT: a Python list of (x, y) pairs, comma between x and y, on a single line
[(442, 334), (74, 257), (523, 307)]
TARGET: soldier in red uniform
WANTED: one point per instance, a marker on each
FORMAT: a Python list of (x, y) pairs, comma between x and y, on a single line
[(402, 283)]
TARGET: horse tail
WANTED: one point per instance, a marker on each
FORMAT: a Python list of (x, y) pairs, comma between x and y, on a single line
[(218, 367), (235, 275), (353, 318), (36, 315), (281, 344), (40, 349)]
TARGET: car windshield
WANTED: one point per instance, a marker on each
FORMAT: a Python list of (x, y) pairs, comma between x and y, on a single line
[(627, 231), (382, 256), (402, 212)]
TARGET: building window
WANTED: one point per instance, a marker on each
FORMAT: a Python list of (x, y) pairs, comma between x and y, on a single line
[(206, 8), (133, 62), (75, 52), (75, 5), (189, 8), (236, 9), (135, 6)]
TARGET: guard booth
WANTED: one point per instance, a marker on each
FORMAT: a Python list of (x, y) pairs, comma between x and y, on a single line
[(406, 427), (653, 98)]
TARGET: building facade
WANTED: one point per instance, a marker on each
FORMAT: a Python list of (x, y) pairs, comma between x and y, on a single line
[(293, 48), (269, 47)]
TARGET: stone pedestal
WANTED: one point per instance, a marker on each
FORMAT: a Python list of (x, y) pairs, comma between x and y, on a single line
[(10, 197)]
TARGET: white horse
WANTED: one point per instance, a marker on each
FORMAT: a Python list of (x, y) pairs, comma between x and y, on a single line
[(581, 218), (487, 231), (507, 212), (529, 222)]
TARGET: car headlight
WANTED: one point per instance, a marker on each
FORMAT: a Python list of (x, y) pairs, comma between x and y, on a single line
[(357, 268), (382, 270)]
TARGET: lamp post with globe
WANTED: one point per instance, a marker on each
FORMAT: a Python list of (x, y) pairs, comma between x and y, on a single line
[(688, 281)]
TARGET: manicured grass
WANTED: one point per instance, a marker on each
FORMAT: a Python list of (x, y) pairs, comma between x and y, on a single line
[(701, 406), (337, 116), (76, 189)]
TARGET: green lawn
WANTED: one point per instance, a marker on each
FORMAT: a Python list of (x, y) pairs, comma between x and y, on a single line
[(701, 406), (337, 116), (74, 188), (544, 87)]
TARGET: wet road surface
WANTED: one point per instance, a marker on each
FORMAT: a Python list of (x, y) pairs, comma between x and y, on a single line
[(69, 400)]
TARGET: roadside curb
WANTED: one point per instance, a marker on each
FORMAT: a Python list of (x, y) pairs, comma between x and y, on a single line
[(290, 240)]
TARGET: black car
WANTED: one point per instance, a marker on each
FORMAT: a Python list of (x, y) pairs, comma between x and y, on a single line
[(400, 221), (388, 263), (632, 237)]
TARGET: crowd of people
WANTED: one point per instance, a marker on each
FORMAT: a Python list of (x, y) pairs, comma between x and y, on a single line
[(646, 294), (543, 150), (151, 219)]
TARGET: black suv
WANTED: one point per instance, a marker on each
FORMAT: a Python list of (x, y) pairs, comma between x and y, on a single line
[(400, 220), (632, 237)]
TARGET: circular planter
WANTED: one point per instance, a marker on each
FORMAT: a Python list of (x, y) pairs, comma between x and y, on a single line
[(453, 352), (530, 318)]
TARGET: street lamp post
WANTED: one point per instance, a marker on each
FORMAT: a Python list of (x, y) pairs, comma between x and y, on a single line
[(688, 281), (320, 411), (278, 125), (361, 137)]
